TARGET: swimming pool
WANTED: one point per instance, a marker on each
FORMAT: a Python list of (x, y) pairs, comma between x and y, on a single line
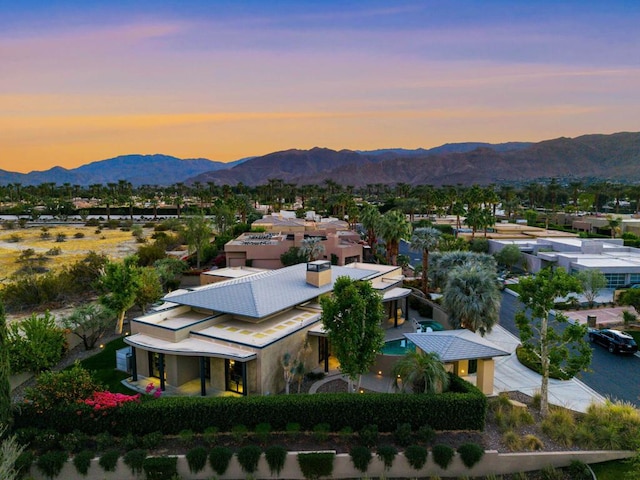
[(398, 347)]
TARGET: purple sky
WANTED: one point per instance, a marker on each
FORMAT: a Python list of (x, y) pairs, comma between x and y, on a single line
[(84, 81)]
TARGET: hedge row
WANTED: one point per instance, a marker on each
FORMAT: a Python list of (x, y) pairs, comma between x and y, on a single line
[(170, 415)]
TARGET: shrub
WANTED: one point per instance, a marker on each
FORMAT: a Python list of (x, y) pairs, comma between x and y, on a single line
[(104, 441), (263, 432), (47, 440), (109, 460), (585, 437), (134, 459), (197, 459), (443, 455), (74, 442), (316, 465), (248, 458), (616, 425), (82, 461), (293, 429), (61, 237), (219, 459), (160, 468), (152, 440), (23, 463), (402, 435), (387, 454), (426, 434), (129, 442), (64, 387), (50, 463), (531, 442), (186, 436), (368, 435), (210, 434), (239, 432), (361, 457), (512, 440), (579, 470), (346, 433), (560, 425), (551, 473), (54, 252), (321, 432), (416, 456), (78, 235), (470, 453), (276, 455)]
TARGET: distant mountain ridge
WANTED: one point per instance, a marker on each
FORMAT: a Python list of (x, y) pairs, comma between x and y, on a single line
[(138, 169), (609, 157), (613, 157)]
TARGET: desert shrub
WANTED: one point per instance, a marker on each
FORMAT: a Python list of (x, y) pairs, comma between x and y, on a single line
[(579, 470), (50, 463), (512, 440), (109, 460), (321, 432), (443, 455), (629, 317), (152, 440), (531, 442), (54, 252), (263, 432), (416, 456), (560, 425), (14, 238), (276, 456), (551, 473), (470, 453), (368, 435), (134, 459), (239, 432), (536, 399), (186, 436), (210, 434), (248, 458), (426, 434), (316, 465), (92, 222), (160, 468), (61, 237), (44, 234), (402, 435), (78, 235), (616, 425), (361, 457), (585, 437), (197, 459), (82, 461), (219, 458)]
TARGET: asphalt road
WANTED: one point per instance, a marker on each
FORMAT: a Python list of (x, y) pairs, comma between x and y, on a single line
[(612, 375)]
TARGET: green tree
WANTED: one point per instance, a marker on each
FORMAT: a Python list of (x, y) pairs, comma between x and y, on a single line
[(592, 282), (170, 271), (424, 240), (10, 450), (119, 284), (509, 256), (293, 256), (615, 225), (371, 219), (631, 297), (442, 263), (149, 288), (197, 234), (5, 371), (352, 318), (89, 322), (472, 298), (564, 348), (424, 372), (393, 228), (312, 248)]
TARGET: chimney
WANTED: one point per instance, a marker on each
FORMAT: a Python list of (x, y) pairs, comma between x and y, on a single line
[(319, 273)]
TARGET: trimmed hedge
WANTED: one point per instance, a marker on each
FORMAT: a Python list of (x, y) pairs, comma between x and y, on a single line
[(174, 414)]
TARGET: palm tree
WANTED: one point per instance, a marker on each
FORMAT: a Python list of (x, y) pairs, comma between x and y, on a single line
[(443, 263), (370, 218), (424, 372), (423, 240), (472, 298), (394, 227)]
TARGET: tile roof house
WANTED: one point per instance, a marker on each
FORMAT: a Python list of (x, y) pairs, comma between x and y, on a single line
[(231, 336)]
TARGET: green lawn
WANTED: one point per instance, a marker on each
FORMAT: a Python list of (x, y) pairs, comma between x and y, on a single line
[(614, 470), (103, 367)]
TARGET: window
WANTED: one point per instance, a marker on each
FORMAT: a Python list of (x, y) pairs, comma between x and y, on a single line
[(634, 278), (615, 279)]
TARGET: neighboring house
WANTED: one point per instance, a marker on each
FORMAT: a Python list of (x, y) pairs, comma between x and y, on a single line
[(620, 264), (231, 336)]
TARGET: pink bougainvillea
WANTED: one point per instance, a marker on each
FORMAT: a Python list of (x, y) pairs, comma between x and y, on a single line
[(106, 400), (153, 390)]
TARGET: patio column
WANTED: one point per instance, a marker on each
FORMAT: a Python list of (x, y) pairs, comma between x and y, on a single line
[(161, 370), (406, 308), (134, 364), (203, 384), (484, 376), (326, 354), (244, 379), (395, 313)]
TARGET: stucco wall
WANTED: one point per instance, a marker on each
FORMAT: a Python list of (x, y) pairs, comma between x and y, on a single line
[(492, 463)]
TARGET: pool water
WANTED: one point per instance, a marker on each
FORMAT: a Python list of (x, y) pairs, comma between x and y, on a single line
[(398, 347)]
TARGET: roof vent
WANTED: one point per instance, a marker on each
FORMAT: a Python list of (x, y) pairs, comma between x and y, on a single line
[(319, 273)]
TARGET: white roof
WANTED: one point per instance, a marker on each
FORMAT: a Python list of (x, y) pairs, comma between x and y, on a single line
[(189, 347)]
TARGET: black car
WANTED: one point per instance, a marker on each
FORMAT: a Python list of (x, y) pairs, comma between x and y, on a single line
[(615, 340)]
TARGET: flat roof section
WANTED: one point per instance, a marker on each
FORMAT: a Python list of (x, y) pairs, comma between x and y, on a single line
[(189, 347), (173, 319)]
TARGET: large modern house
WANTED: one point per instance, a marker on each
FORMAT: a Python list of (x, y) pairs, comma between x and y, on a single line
[(231, 336)]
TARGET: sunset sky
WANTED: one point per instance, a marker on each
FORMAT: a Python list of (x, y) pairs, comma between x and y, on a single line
[(82, 81)]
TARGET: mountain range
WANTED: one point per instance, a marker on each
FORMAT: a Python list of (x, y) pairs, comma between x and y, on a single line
[(613, 157)]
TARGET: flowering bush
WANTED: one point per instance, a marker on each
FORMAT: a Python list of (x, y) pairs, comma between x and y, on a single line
[(106, 400), (153, 390)]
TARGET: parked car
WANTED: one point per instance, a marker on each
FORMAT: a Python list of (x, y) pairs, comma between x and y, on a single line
[(614, 340)]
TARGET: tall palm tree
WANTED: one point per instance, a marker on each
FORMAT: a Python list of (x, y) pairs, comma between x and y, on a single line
[(424, 372), (394, 227), (472, 298), (443, 263), (370, 218), (423, 240)]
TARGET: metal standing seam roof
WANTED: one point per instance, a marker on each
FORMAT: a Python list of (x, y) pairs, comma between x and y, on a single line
[(453, 345), (264, 293)]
